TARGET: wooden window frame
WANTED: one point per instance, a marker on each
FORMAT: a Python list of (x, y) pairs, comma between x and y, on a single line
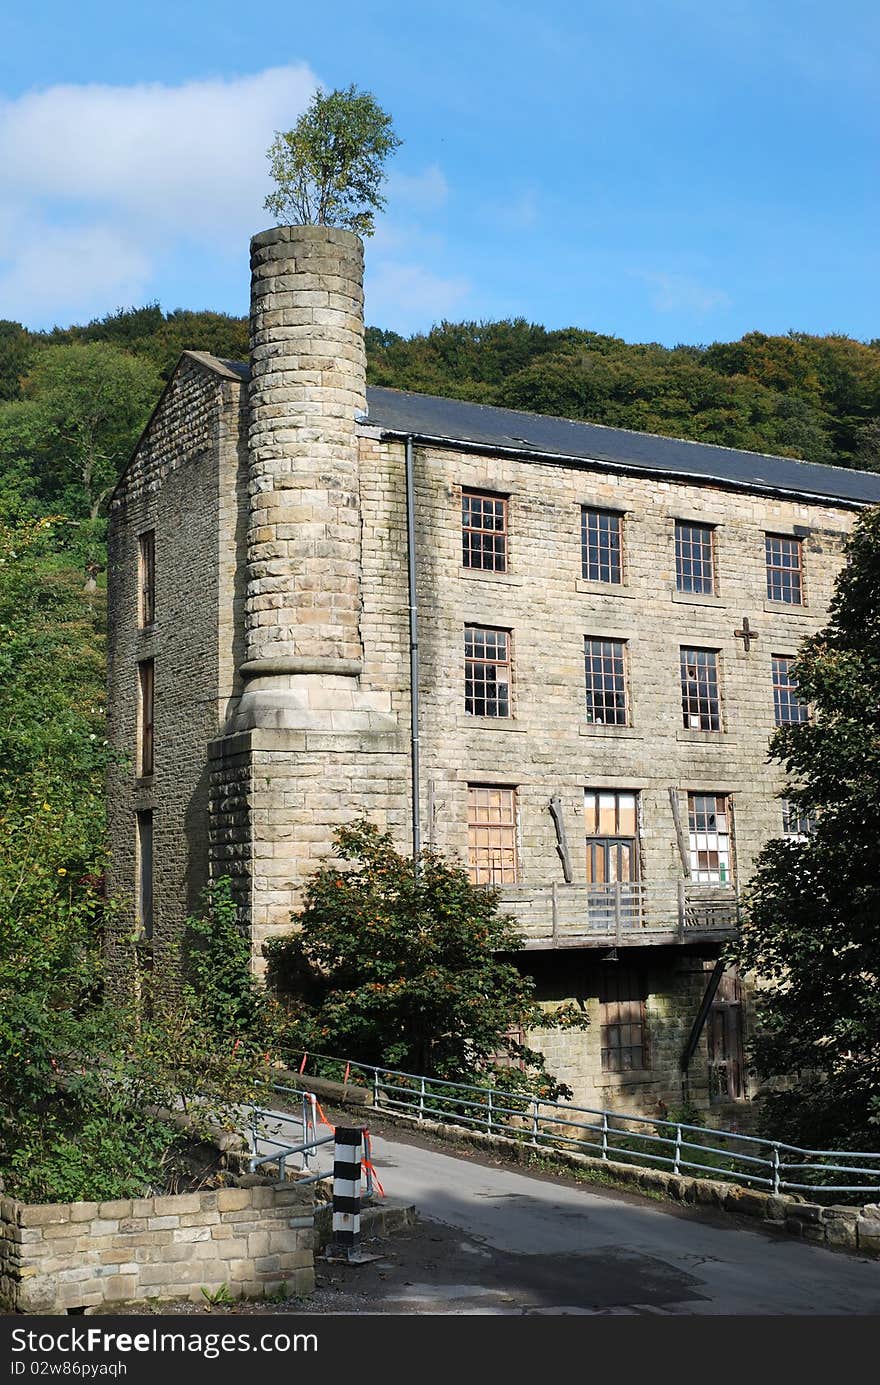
[(602, 546), (147, 579), (593, 835), (145, 872), (623, 1016), (788, 710), (481, 672), (693, 563), (696, 831), (605, 679), (480, 542), (784, 579), (481, 823), (700, 692), (146, 717)]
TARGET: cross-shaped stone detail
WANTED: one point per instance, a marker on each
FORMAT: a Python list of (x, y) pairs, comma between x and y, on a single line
[(746, 634)]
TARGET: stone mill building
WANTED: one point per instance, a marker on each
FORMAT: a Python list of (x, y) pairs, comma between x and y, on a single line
[(598, 624)]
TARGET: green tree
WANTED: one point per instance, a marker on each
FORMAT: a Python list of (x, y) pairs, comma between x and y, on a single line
[(408, 969), (329, 168), (811, 933), (88, 405)]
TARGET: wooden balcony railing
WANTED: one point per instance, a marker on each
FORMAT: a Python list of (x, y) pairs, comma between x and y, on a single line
[(627, 913)]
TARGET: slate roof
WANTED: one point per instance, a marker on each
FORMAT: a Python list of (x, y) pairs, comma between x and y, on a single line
[(429, 418)]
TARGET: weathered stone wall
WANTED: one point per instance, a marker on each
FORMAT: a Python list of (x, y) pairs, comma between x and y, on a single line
[(58, 1257), (184, 483), (307, 385)]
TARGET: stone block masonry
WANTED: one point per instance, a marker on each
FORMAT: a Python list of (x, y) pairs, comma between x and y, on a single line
[(65, 1257)]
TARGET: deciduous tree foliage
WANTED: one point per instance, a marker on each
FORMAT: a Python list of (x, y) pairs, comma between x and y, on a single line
[(408, 970), (329, 169), (812, 928)]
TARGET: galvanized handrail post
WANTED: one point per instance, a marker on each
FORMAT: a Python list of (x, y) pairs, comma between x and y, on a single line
[(774, 1164), (489, 1112), (375, 1087), (604, 1134), (535, 1128), (422, 1099), (676, 1163), (254, 1130)]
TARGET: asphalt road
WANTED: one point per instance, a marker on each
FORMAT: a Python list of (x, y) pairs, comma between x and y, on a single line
[(492, 1239)]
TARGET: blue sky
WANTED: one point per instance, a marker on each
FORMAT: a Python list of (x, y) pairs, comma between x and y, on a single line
[(664, 170)]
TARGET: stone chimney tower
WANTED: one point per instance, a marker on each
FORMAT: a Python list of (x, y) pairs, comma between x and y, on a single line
[(307, 388), (308, 742)]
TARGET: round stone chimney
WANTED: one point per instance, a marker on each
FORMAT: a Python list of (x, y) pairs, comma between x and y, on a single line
[(307, 389)]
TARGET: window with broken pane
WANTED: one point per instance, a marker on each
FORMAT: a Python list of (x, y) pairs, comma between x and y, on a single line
[(709, 838), (611, 836), (486, 671), (700, 701), (605, 666)]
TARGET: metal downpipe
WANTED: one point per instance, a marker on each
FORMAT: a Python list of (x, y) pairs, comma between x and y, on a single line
[(413, 650)]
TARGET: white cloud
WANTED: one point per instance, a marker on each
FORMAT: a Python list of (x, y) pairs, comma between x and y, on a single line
[(119, 176), (673, 293), (115, 195), (407, 298), (425, 191)]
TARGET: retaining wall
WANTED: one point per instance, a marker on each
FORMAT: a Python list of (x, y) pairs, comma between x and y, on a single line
[(74, 1256)]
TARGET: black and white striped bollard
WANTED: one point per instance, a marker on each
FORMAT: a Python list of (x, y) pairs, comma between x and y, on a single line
[(348, 1153)]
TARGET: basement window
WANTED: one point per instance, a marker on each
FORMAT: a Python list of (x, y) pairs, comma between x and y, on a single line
[(622, 1019)]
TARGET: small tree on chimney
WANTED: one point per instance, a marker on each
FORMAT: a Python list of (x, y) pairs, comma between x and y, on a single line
[(329, 169)]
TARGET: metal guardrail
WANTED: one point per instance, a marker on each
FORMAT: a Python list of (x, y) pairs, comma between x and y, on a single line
[(627, 1138), (607, 913), (261, 1134)]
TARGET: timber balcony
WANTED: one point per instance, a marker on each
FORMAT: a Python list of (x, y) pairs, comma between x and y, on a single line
[(630, 914)]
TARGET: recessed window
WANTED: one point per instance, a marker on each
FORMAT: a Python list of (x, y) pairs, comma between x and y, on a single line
[(605, 666), (145, 716), (492, 854), (694, 557), (484, 531), (601, 546), (144, 868), (611, 836), (147, 578), (486, 672), (622, 1019), (700, 701), (784, 558), (797, 823), (787, 707), (709, 838)]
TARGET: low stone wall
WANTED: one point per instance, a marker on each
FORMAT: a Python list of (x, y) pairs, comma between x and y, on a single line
[(66, 1257)]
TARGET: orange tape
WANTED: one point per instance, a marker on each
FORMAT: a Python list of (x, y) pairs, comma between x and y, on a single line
[(302, 1066), (324, 1120), (365, 1163)]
